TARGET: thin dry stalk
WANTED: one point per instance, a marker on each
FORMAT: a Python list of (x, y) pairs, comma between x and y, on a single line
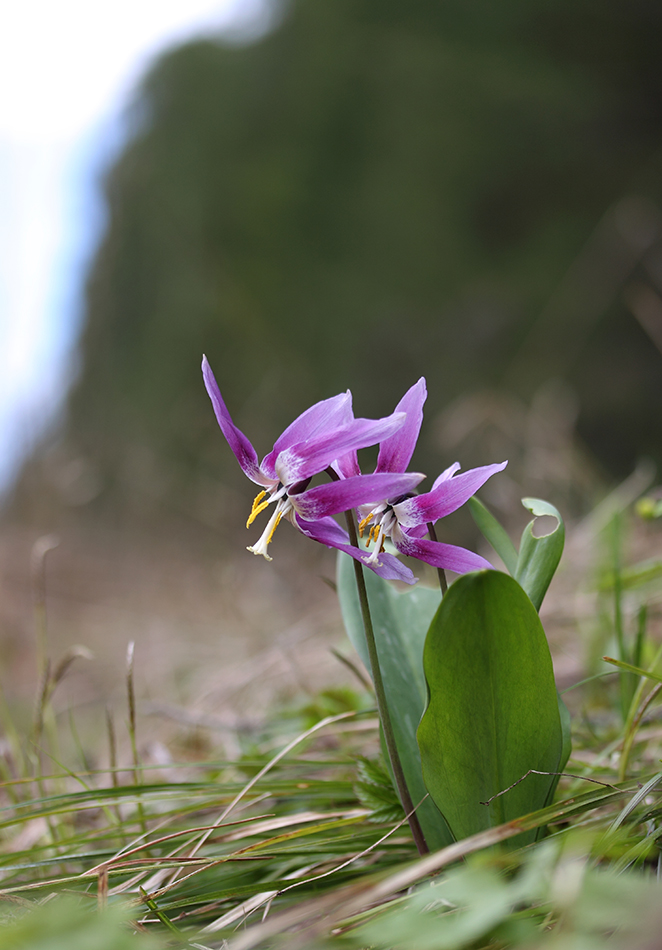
[(102, 888), (40, 549), (131, 697)]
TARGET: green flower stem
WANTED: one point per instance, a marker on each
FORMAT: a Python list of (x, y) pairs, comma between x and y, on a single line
[(443, 583), (380, 694)]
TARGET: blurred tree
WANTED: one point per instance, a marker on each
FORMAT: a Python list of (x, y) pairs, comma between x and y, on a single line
[(376, 190)]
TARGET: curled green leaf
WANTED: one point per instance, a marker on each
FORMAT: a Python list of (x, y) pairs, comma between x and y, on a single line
[(539, 556)]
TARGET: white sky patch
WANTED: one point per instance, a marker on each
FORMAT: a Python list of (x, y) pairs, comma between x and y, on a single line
[(66, 71)]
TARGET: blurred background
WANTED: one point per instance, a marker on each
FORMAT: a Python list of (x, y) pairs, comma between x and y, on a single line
[(319, 195)]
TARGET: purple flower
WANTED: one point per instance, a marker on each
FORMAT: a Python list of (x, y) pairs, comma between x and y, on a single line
[(319, 436), (404, 519)]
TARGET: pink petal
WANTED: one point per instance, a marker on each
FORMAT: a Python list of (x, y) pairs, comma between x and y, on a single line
[(347, 465), (449, 495), (327, 532), (241, 447), (328, 414), (351, 492), (306, 459), (445, 475), (447, 556), (395, 452)]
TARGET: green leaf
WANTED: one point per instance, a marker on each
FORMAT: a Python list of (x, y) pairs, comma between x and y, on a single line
[(539, 556), (375, 790), (495, 534), (493, 713), (372, 772), (629, 668), (400, 622)]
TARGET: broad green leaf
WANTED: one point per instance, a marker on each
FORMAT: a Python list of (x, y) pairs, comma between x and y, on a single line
[(539, 557), (400, 622), (566, 747), (495, 534), (566, 727), (493, 713)]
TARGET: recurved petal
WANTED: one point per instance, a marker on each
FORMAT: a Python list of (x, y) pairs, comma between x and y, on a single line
[(328, 414), (334, 497), (241, 447), (448, 496), (347, 465), (445, 475), (417, 530), (446, 556), (306, 459), (395, 452), (327, 532)]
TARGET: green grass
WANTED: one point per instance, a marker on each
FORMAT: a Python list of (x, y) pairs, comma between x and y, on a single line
[(298, 843)]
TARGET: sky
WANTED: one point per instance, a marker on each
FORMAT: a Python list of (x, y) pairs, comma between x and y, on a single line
[(67, 70)]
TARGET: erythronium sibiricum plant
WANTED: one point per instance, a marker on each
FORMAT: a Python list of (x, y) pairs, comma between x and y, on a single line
[(479, 614), (406, 518)]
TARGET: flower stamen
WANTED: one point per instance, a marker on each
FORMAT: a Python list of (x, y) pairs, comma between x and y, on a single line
[(372, 535), (363, 524), (378, 535), (257, 507), (260, 547)]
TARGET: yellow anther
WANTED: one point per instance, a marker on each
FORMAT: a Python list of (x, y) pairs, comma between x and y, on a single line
[(279, 515), (261, 546), (257, 508), (362, 524), (373, 534)]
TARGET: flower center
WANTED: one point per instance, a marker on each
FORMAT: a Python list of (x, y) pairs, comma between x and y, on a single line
[(384, 523), (383, 520)]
